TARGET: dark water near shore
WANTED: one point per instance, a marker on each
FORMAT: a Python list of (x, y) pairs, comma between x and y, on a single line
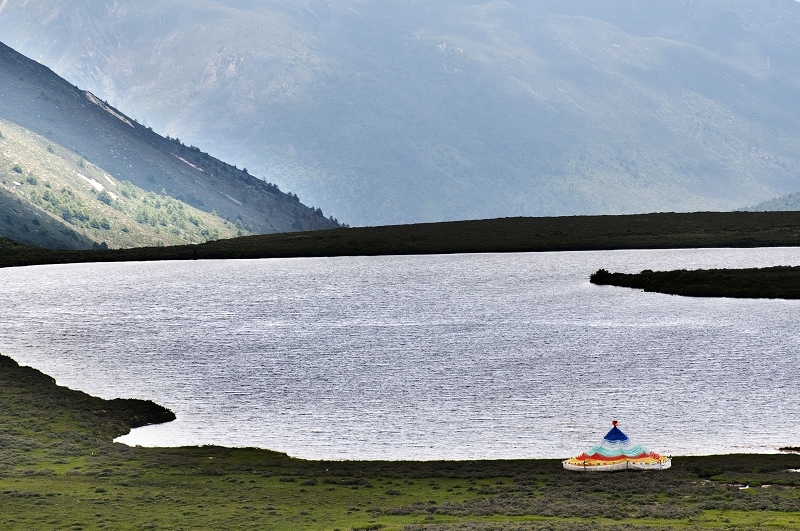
[(419, 357)]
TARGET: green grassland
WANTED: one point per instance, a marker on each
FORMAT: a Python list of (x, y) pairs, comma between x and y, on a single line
[(572, 233), (59, 469)]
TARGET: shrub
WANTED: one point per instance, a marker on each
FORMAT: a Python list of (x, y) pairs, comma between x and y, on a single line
[(105, 197)]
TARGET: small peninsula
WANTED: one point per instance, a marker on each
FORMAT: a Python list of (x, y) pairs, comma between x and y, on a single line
[(781, 282)]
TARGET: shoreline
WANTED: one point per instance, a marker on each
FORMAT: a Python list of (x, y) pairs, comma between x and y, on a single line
[(59, 468), (521, 234), (737, 451), (139, 413)]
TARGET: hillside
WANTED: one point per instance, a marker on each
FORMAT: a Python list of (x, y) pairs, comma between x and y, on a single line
[(77, 173), (23, 222), (402, 112), (52, 198)]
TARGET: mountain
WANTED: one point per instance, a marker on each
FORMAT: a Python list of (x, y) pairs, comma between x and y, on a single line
[(783, 203), (76, 172), (407, 111)]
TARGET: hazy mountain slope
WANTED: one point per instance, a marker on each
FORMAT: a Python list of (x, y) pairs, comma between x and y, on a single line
[(57, 133), (401, 111), (779, 204)]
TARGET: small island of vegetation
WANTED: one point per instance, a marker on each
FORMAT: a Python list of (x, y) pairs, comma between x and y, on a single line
[(781, 282)]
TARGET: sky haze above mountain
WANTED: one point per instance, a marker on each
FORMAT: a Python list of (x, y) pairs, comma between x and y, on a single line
[(406, 111)]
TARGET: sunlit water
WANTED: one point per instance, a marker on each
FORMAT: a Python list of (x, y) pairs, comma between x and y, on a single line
[(419, 357)]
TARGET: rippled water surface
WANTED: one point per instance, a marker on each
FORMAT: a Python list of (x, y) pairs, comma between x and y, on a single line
[(420, 357)]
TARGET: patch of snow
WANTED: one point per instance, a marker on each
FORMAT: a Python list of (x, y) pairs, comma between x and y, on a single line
[(189, 163), (232, 199), (97, 186), (94, 99)]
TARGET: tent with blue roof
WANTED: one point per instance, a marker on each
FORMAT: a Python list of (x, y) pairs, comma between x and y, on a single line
[(617, 452)]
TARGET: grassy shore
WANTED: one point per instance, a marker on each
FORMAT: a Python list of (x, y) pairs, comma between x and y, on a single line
[(574, 233), (59, 469)]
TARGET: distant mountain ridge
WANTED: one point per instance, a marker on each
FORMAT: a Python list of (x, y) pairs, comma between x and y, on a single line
[(783, 203), (396, 111), (75, 170)]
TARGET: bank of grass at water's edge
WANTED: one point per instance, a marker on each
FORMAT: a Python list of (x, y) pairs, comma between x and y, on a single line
[(570, 233), (60, 470)]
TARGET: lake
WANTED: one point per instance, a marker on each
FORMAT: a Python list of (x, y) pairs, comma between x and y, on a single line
[(477, 356)]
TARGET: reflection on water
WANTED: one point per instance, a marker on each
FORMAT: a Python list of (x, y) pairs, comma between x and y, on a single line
[(420, 357)]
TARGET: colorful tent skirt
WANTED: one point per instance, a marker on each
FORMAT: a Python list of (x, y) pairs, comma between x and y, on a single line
[(617, 452)]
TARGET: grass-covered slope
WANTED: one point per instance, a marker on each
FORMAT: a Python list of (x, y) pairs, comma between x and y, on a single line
[(63, 201), (70, 157), (640, 231), (60, 470), (22, 222)]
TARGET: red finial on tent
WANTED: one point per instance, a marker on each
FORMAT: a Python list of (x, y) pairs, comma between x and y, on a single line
[(614, 423)]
